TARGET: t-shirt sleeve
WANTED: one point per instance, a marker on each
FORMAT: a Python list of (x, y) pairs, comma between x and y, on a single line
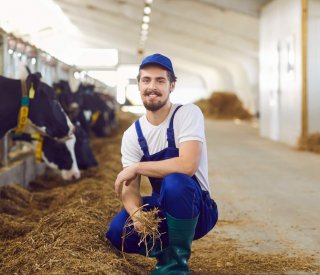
[(189, 123), (130, 150)]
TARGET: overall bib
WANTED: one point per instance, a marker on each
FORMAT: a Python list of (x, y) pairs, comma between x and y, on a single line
[(176, 194)]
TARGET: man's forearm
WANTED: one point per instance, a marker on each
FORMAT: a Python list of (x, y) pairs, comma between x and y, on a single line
[(160, 169), (186, 163), (131, 199)]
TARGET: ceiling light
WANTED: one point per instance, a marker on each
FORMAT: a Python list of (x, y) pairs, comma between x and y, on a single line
[(91, 58), (146, 19), (107, 77), (147, 10), (148, 1), (145, 26)]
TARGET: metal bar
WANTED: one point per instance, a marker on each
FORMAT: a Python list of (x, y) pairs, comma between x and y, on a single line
[(4, 150)]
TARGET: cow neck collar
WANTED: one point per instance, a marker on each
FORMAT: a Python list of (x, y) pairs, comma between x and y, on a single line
[(38, 152), (24, 109), (23, 118)]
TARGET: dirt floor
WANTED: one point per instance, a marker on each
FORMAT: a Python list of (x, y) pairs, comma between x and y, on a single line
[(57, 227)]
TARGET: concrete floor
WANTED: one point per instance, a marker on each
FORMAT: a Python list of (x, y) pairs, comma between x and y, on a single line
[(268, 193)]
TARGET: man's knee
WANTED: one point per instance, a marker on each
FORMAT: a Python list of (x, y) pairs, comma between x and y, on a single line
[(175, 183), (179, 196)]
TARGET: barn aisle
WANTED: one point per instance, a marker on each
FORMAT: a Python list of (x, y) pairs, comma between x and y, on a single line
[(267, 194)]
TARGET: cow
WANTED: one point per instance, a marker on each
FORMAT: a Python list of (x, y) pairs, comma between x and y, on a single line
[(45, 112), (67, 157), (59, 156), (87, 107), (84, 155), (96, 110), (72, 104)]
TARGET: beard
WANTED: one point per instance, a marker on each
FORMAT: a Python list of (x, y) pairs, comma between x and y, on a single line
[(155, 106)]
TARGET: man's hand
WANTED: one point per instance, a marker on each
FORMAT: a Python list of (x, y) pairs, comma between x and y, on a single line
[(138, 226), (125, 176)]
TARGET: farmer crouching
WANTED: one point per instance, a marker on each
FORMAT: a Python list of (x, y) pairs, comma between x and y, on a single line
[(167, 145)]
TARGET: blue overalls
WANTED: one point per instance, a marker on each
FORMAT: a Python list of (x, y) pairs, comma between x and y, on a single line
[(177, 194)]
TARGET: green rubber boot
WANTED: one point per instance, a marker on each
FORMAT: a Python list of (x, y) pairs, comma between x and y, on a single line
[(162, 255), (181, 233)]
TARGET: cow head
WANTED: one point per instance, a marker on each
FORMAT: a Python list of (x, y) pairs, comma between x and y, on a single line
[(56, 155), (61, 156), (101, 127), (45, 112), (64, 94)]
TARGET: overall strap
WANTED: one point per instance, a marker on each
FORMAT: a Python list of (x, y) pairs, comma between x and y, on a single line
[(170, 131), (141, 139)]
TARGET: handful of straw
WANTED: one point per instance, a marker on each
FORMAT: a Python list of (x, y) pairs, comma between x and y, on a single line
[(150, 221)]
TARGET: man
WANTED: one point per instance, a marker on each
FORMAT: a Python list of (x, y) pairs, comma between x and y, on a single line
[(168, 145)]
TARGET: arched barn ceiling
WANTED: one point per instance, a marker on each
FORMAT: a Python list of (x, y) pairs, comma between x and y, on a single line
[(203, 37), (216, 40)]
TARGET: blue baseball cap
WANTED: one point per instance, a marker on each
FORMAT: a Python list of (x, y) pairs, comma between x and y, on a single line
[(157, 59)]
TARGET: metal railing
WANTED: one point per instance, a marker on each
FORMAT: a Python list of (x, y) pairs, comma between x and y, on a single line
[(4, 150)]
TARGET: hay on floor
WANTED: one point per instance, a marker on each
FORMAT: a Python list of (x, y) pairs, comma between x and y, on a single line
[(310, 143), (58, 228), (223, 105)]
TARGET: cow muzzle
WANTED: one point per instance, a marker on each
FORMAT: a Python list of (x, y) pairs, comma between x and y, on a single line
[(70, 175)]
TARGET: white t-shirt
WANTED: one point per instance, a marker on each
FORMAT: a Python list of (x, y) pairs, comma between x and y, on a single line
[(188, 124)]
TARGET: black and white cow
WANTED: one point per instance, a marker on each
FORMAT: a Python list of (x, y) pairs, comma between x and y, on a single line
[(95, 109), (67, 157), (72, 104), (84, 154), (58, 156), (61, 156), (45, 112)]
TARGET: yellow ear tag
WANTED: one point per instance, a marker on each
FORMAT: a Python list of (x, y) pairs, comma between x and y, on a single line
[(31, 91), (39, 150), (58, 91), (95, 116)]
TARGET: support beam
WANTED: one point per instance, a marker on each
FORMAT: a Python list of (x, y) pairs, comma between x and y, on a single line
[(304, 29)]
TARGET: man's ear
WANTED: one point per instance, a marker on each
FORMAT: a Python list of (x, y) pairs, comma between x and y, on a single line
[(172, 86)]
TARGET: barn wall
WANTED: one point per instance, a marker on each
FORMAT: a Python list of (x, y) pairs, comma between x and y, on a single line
[(281, 71)]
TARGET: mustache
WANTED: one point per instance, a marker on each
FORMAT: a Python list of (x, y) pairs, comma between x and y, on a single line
[(150, 93)]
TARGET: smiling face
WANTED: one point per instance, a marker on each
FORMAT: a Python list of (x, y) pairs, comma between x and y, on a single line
[(155, 88)]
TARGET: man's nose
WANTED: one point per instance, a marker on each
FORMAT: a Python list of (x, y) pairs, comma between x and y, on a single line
[(152, 85)]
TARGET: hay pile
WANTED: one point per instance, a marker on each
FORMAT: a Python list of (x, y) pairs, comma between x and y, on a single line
[(58, 228), (310, 143), (223, 105)]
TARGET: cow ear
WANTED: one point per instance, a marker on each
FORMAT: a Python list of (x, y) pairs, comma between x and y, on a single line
[(36, 77), (33, 81)]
